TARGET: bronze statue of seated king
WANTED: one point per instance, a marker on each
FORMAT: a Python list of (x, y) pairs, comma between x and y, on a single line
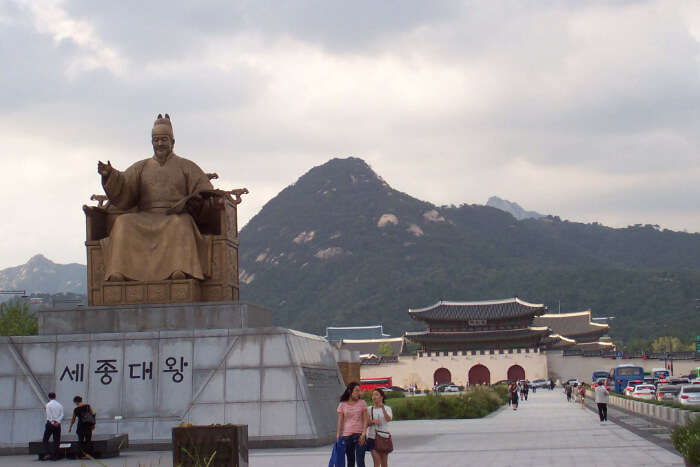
[(164, 234)]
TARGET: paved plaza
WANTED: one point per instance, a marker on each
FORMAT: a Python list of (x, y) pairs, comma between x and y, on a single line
[(544, 431)]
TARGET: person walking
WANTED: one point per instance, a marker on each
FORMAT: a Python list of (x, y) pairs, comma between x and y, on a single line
[(582, 393), (568, 390), (352, 424), (379, 416), (54, 417), (513, 389), (601, 399), (86, 423)]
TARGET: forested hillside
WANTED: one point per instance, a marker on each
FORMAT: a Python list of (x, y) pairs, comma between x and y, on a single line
[(341, 247)]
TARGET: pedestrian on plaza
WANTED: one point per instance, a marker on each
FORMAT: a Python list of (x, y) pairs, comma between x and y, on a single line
[(568, 390), (54, 416), (601, 399), (352, 424), (551, 385), (86, 423), (513, 390), (379, 416), (582, 393)]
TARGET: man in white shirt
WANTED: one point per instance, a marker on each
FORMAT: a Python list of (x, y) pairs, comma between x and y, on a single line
[(601, 398), (54, 416)]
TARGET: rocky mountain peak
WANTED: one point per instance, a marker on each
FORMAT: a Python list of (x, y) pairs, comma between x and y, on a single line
[(513, 208)]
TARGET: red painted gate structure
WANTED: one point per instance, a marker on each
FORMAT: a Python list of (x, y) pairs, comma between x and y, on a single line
[(516, 372), (479, 374), (442, 375)]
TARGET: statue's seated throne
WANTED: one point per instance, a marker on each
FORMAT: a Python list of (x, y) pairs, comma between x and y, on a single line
[(221, 270)]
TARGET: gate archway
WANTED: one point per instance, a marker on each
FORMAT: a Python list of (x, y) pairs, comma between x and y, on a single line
[(516, 372), (479, 374), (442, 375)]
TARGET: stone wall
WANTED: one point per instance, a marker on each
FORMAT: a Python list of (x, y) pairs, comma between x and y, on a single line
[(283, 384), (563, 368), (420, 370), (349, 365)]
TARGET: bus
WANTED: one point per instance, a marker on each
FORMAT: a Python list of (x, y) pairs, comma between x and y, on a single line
[(599, 374), (371, 383), (694, 373), (621, 374)]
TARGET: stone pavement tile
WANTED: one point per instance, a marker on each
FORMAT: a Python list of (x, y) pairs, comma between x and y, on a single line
[(544, 431)]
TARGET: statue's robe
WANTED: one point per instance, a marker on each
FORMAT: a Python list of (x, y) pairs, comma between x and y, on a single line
[(148, 244)]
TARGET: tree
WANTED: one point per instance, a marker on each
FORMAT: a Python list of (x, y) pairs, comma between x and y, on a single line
[(16, 320), (668, 344), (385, 350)]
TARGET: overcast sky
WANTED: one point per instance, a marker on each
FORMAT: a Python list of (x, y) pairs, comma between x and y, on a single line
[(587, 110)]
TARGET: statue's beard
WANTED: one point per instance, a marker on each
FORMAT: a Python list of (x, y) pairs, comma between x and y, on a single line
[(162, 153)]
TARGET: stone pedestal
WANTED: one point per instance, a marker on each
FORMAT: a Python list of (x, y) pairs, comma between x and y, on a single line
[(283, 384), (136, 318)]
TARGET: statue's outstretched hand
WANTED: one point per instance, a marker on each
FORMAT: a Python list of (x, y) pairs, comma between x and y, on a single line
[(104, 169)]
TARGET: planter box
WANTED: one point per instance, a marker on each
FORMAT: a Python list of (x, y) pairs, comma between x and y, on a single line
[(195, 445)]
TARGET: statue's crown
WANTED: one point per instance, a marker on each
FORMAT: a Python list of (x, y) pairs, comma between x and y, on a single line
[(162, 125)]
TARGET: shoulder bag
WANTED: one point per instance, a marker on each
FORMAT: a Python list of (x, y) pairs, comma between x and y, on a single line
[(382, 444)]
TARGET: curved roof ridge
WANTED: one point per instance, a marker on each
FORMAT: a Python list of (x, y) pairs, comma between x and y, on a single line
[(566, 315), (477, 303), (369, 341), (355, 327)]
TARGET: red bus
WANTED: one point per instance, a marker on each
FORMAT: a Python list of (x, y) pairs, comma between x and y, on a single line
[(371, 383)]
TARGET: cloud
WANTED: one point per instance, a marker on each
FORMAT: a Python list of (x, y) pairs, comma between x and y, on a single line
[(587, 110)]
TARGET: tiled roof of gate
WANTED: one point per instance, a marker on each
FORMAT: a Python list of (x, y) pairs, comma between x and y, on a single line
[(488, 309), (369, 346), (572, 324), (478, 336), (338, 333)]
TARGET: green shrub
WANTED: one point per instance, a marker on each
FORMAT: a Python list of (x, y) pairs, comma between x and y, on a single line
[(686, 440), (477, 402)]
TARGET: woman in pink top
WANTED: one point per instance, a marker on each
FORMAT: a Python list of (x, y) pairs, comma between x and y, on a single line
[(352, 424)]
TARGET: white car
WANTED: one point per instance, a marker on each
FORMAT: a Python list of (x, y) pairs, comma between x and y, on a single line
[(644, 391), (630, 387), (689, 394), (451, 388)]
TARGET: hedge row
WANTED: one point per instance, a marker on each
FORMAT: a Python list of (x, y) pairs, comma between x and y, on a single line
[(477, 402)]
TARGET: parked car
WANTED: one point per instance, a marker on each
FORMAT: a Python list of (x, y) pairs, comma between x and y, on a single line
[(667, 392), (644, 391), (572, 382), (450, 388), (503, 381), (394, 388), (689, 394), (539, 383)]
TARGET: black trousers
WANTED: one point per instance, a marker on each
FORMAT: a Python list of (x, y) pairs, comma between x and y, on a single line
[(49, 431), (603, 411), (85, 439)]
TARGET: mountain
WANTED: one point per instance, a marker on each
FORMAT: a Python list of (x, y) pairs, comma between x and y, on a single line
[(513, 208), (41, 275), (342, 247)]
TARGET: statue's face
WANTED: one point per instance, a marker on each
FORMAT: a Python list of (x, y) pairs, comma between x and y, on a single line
[(162, 145)]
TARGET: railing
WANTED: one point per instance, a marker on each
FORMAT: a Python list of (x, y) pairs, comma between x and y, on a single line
[(628, 355)]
